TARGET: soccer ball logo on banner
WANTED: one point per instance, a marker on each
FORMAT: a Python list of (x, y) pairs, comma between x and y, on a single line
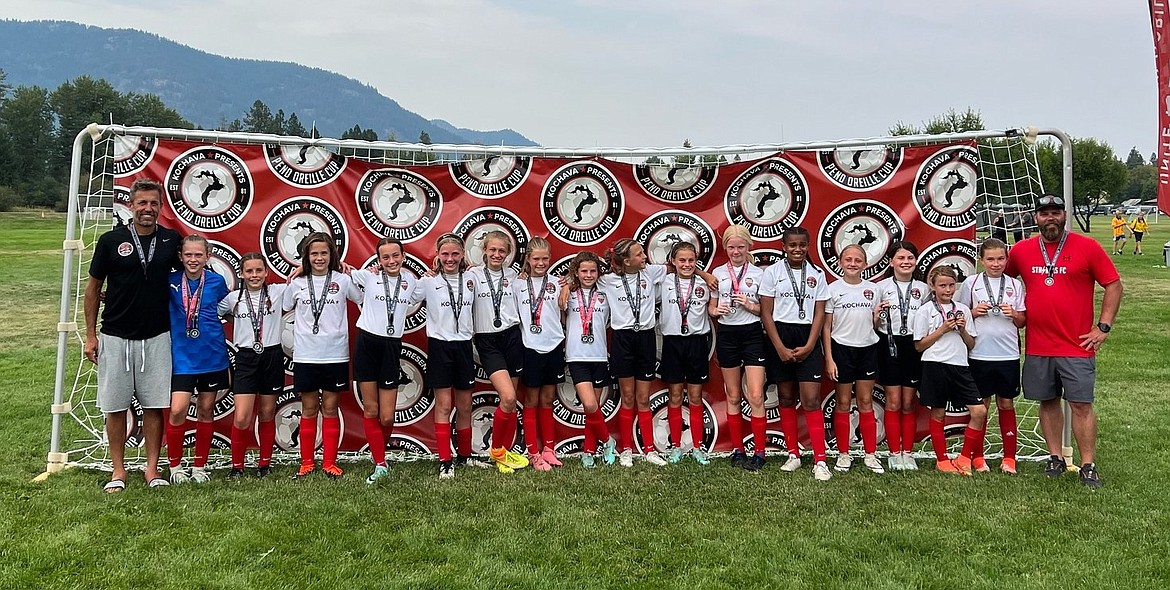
[(767, 198), (491, 177), (209, 188), (869, 224)]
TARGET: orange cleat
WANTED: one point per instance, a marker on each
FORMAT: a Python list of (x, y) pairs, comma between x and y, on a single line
[(1008, 465), (952, 467), (979, 464)]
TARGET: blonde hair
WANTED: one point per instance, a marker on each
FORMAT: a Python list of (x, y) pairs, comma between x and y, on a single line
[(536, 243), (443, 240), (864, 255), (741, 232), (495, 234), (942, 270)]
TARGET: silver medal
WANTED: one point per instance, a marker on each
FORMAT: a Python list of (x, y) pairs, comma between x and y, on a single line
[(316, 329), (257, 347), (995, 311), (390, 330), (535, 329), (1049, 281), (903, 331), (497, 322), (193, 333), (587, 339), (685, 329), (802, 315), (637, 326)]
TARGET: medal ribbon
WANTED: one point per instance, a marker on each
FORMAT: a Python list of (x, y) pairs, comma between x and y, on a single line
[(456, 309), (735, 281), (496, 292), (144, 260), (586, 311), (684, 304), (635, 303), (536, 300), (257, 326), (987, 285), (316, 306), (1049, 263), (191, 303), (391, 302), (799, 295)]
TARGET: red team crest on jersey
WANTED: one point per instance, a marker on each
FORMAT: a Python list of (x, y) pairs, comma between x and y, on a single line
[(470, 285), (125, 249), (333, 288), (811, 282), (868, 293), (916, 293), (699, 292)]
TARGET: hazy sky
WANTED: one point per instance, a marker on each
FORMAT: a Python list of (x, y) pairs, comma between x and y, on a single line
[(650, 73)]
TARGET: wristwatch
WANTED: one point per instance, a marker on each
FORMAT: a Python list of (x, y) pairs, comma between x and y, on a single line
[(1104, 327)]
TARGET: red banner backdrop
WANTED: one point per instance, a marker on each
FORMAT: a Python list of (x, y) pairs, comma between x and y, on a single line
[(266, 198), (1160, 20)]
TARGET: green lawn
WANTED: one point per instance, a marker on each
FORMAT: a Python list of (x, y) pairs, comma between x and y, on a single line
[(681, 526)]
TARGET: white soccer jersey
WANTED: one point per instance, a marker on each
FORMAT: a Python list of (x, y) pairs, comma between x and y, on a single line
[(694, 294), (851, 307), (376, 306), (551, 332), (243, 332), (913, 295), (484, 310), (575, 349), (785, 308), (999, 338), (624, 291), (948, 349), (748, 277), (331, 342), (443, 294)]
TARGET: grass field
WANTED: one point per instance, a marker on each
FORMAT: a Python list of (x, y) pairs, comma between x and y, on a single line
[(681, 526)]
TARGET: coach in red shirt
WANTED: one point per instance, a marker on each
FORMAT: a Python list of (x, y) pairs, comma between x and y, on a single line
[(1059, 269)]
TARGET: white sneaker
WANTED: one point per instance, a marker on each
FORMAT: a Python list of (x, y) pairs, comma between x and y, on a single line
[(446, 470), (474, 461), (655, 458), (821, 472), (844, 462), (626, 459), (179, 475), (791, 464), (874, 464), (895, 461), (200, 475), (908, 462)]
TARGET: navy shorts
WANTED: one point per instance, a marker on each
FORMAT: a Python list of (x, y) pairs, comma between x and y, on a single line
[(738, 346), (213, 381), (811, 369), (450, 364), (942, 383), (684, 359), (632, 354), (544, 368), (378, 359), (998, 378), (311, 377), (258, 373), (501, 351), (855, 363)]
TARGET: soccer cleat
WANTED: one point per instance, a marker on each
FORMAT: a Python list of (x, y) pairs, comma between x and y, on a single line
[(676, 455), (587, 461), (908, 462), (1008, 466), (979, 464), (699, 456), (179, 475), (1055, 466), (964, 463), (609, 454), (654, 458), (738, 458), (235, 474), (332, 471), (380, 471), (821, 472), (873, 463), (506, 458), (472, 461), (200, 475), (263, 471), (792, 463), (446, 470), (502, 468), (538, 463), (844, 462), (1089, 476), (305, 471), (754, 463), (895, 462), (626, 458), (948, 466), (549, 456)]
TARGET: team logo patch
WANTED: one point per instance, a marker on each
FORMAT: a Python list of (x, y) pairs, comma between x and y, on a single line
[(958, 254), (869, 224), (417, 314), (225, 261), (475, 227), (132, 153), (916, 293), (811, 282), (209, 188), (121, 207), (567, 408), (290, 222), (767, 198), (659, 402), (491, 177), (304, 166), (829, 406), (946, 186), (125, 249), (675, 184), (398, 204), (860, 169), (868, 294), (659, 233), (766, 257), (483, 410), (582, 203)]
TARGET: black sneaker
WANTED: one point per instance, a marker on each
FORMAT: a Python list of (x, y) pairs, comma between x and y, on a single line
[(755, 463), (235, 474), (1089, 476), (263, 471), (738, 459), (1055, 466)]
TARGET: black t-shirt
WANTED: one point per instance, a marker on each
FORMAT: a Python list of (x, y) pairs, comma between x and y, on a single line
[(135, 307)]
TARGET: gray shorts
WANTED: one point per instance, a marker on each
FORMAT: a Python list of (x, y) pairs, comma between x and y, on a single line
[(133, 369), (1050, 377)]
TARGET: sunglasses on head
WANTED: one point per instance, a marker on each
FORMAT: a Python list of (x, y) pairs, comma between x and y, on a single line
[(1047, 200)]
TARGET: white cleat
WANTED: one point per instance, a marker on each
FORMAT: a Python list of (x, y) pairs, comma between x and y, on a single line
[(655, 458), (873, 463), (821, 472), (791, 464), (844, 462), (626, 458)]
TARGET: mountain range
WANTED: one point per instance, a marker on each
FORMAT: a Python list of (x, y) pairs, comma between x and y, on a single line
[(211, 90)]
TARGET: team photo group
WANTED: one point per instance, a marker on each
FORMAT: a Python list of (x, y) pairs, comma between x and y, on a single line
[(941, 341)]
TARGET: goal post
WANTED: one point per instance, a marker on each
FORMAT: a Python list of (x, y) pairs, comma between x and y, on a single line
[(1007, 178)]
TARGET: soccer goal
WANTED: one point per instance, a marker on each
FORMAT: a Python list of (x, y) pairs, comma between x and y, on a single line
[(948, 191)]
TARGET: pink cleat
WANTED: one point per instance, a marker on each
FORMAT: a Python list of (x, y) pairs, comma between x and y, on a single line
[(550, 458)]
